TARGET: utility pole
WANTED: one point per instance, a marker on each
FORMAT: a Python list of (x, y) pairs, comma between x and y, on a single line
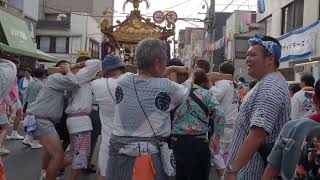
[(211, 19)]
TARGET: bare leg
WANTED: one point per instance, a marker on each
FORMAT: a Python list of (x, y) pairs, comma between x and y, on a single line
[(45, 159), (101, 177), (3, 133), (54, 150), (65, 164), (74, 174), (17, 119)]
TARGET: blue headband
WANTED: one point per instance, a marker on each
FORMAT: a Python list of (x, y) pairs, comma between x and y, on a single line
[(272, 47)]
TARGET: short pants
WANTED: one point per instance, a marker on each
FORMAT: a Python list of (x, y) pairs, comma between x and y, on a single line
[(44, 128), (79, 150)]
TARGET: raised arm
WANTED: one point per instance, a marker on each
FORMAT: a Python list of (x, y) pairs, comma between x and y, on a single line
[(86, 74)]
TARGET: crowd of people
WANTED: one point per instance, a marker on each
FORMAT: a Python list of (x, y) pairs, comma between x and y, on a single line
[(167, 119)]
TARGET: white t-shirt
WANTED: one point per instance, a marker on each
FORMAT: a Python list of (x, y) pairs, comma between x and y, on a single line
[(301, 104), (227, 94), (80, 99), (106, 104), (158, 96)]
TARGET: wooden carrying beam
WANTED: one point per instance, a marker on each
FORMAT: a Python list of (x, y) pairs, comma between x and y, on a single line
[(52, 70)]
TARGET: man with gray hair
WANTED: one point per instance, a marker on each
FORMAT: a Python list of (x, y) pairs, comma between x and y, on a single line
[(143, 102)]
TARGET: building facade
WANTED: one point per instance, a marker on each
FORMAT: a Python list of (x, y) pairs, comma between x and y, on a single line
[(29, 9), (290, 21), (66, 28), (191, 44), (219, 35), (240, 27)]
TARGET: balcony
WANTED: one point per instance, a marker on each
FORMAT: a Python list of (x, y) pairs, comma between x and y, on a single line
[(53, 24)]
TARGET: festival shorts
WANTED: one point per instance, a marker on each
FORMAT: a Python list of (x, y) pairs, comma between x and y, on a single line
[(44, 128), (79, 150)]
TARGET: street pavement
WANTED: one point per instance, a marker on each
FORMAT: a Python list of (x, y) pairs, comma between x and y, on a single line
[(24, 163)]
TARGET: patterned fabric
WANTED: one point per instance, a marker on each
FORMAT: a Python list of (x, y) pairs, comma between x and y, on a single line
[(29, 123), (190, 119), (158, 96), (309, 166), (3, 105), (266, 106), (121, 166), (14, 92), (302, 104), (79, 150), (272, 47)]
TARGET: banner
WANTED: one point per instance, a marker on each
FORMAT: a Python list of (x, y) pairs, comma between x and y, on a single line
[(299, 43)]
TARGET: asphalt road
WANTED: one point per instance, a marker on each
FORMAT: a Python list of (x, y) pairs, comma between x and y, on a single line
[(24, 163)]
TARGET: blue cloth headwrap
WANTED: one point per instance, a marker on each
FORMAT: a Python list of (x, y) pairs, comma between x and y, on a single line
[(272, 47)]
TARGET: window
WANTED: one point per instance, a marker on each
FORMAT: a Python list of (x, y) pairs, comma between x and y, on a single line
[(253, 17), (94, 49), (51, 44), (45, 44), (61, 43), (267, 25), (292, 16)]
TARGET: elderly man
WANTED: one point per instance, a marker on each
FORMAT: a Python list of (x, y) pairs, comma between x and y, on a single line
[(142, 115), (264, 111)]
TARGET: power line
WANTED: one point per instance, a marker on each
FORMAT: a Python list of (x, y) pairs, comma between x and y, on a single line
[(190, 23), (227, 5), (242, 3), (172, 6), (186, 19), (64, 11), (233, 4), (194, 11)]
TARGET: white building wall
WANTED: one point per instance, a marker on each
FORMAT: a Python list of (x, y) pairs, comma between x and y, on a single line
[(274, 8), (276, 23), (28, 8), (31, 9), (82, 27), (88, 28)]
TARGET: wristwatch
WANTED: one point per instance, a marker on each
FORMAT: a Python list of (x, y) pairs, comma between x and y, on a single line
[(230, 171)]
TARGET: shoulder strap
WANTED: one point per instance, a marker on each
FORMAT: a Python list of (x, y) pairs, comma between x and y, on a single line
[(199, 102), (139, 102), (110, 90)]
